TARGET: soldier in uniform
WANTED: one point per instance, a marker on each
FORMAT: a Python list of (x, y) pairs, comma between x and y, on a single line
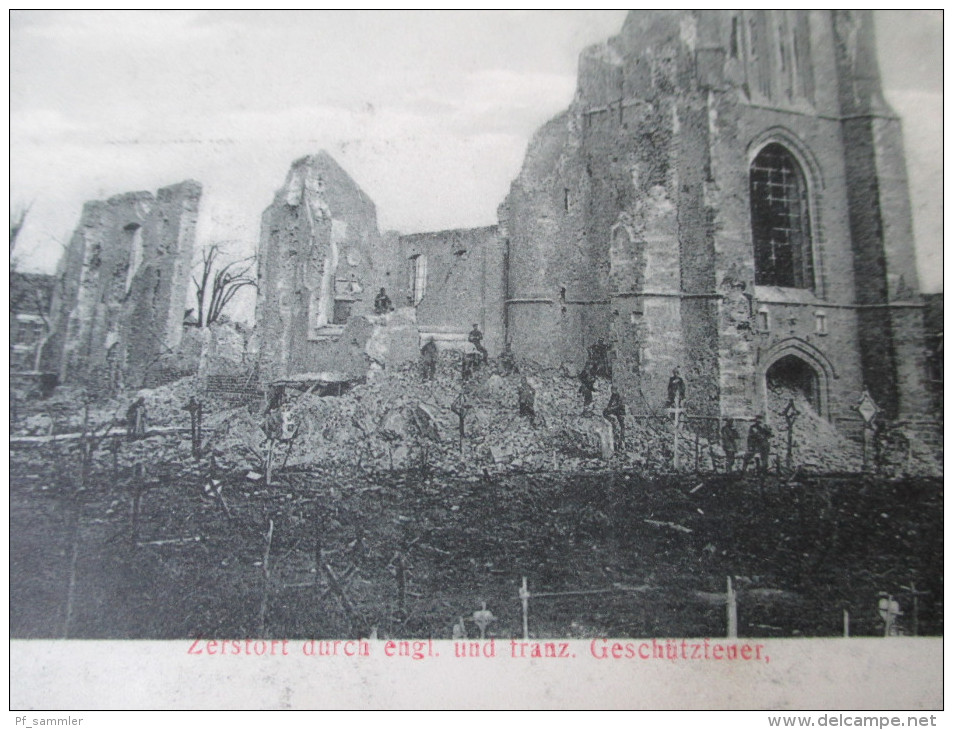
[(587, 386), (729, 442), (598, 362), (136, 420), (614, 412), (382, 303), (527, 399), (676, 389), (507, 361), (428, 359), (476, 339), (759, 444)]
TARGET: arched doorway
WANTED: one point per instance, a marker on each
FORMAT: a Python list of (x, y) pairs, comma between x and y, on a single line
[(789, 377)]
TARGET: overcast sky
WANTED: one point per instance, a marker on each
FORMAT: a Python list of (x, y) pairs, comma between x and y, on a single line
[(430, 112)]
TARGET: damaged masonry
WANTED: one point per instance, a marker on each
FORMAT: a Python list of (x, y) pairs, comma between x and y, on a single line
[(685, 226), (704, 266)]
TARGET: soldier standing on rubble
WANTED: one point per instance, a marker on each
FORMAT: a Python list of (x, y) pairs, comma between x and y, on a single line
[(382, 303), (614, 412), (759, 444), (527, 399), (729, 442), (598, 362), (676, 389), (476, 339), (507, 361), (587, 386), (136, 420), (467, 365), (428, 359)]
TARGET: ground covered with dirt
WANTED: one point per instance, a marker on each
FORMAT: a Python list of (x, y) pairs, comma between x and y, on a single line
[(380, 520), (324, 553)]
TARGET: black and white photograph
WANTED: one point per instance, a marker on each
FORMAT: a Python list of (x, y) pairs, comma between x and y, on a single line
[(575, 346)]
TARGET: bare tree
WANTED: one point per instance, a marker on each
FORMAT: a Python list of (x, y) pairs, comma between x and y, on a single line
[(30, 300), (31, 294), (216, 287)]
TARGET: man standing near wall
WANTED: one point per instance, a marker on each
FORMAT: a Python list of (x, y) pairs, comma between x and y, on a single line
[(614, 412), (527, 400), (676, 389), (136, 420), (729, 442), (587, 386), (759, 445), (476, 339), (428, 359)]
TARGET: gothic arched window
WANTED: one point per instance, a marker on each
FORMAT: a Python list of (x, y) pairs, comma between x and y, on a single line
[(780, 220)]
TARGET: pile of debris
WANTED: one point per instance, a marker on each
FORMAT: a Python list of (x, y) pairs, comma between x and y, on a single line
[(395, 419), (817, 445)]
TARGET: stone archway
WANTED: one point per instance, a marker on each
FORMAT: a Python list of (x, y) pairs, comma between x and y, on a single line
[(792, 374), (796, 367)]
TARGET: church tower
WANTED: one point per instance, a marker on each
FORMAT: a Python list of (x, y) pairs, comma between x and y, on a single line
[(727, 195)]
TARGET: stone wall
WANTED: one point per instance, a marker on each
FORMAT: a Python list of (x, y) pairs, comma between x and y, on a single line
[(631, 217), (122, 286), (321, 261), (464, 284), (159, 289)]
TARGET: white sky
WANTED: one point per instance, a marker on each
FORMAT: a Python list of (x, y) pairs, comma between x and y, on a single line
[(430, 112)]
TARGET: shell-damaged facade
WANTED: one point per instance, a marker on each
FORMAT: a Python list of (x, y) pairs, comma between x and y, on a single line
[(726, 194)]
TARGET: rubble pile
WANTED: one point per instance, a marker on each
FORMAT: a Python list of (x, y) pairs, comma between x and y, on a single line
[(817, 444), (398, 420), (394, 419)]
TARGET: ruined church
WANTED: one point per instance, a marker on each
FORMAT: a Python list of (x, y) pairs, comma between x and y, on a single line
[(726, 195)]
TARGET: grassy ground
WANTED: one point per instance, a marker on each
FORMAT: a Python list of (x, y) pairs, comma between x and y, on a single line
[(408, 556)]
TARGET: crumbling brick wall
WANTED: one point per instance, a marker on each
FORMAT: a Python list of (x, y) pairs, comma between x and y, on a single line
[(464, 284), (321, 261), (639, 196), (121, 287)]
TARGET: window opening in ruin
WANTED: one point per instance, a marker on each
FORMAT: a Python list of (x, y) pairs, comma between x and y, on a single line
[(764, 320), (342, 311), (566, 199), (791, 377), (734, 37), (418, 278), (133, 244), (820, 323), (780, 220)]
